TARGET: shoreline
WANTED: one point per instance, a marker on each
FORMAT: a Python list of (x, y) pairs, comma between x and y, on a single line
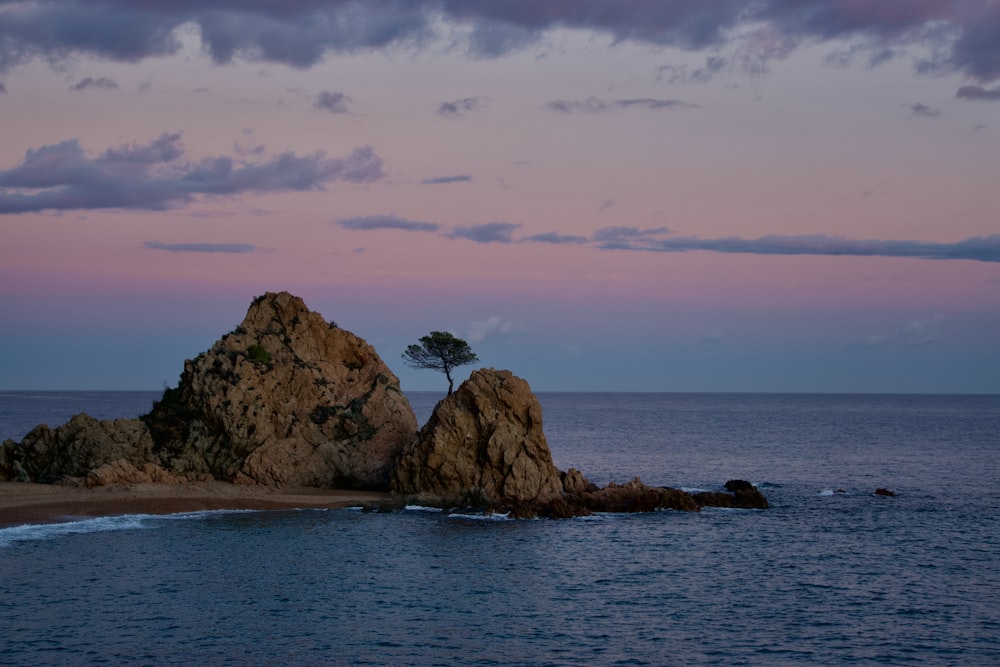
[(25, 503)]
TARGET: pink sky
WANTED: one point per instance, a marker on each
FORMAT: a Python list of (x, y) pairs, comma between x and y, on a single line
[(598, 195)]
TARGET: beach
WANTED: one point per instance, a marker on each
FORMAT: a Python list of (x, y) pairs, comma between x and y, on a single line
[(26, 503)]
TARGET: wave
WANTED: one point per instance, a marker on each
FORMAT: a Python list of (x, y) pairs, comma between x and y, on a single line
[(103, 524), (422, 508), (482, 517)]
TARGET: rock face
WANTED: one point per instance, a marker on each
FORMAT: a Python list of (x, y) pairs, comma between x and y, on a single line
[(74, 449), (485, 439), (284, 399)]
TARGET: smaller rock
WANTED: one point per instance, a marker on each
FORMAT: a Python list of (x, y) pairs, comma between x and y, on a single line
[(884, 492), (574, 482), (743, 495)]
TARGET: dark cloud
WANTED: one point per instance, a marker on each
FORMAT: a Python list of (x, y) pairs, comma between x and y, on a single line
[(978, 248), (625, 237), (234, 248), (387, 222), (684, 74), (595, 105), (978, 93), (102, 83), (333, 102), (657, 239), (556, 239), (959, 36), (923, 110), (461, 106), (439, 180), (154, 176), (489, 232)]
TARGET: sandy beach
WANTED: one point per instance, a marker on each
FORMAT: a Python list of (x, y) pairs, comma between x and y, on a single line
[(23, 503)]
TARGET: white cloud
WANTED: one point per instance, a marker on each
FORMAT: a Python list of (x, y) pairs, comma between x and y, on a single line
[(492, 326)]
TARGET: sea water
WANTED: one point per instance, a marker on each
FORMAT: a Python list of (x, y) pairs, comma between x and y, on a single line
[(831, 574)]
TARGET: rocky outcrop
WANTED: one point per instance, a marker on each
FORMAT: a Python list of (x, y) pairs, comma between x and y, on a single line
[(289, 399), (285, 399), (49, 455), (742, 495), (484, 448), (485, 439)]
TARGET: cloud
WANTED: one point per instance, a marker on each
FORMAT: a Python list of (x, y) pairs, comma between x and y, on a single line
[(978, 248), (595, 105), (490, 232), (333, 102), (716, 336), (102, 83), (461, 106), (608, 203), (978, 93), (658, 239), (154, 176), (626, 238), (915, 333), (234, 248), (555, 239), (923, 110), (957, 36), (438, 180), (684, 74), (492, 326), (387, 222), (3, 88)]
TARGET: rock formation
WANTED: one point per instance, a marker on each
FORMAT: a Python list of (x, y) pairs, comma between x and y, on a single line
[(74, 449), (485, 439), (290, 399), (284, 399), (484, 447)]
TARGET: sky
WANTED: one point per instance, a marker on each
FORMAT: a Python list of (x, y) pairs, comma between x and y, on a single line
[(598, 195)]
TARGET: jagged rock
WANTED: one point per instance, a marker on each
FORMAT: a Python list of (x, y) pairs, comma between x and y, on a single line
[(486, 438), (742, 494), (285, 399), (74, 449), (574, 482)]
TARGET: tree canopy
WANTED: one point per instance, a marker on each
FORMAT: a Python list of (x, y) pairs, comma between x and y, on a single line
[(440, 351)]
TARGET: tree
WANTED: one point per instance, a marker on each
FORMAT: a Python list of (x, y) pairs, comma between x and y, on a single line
[(440, 351)]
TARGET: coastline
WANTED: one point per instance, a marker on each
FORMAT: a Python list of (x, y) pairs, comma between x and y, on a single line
[(24, 503)]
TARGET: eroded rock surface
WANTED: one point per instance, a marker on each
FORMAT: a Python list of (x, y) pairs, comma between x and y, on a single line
[(49, 455), (285, 399), (486, 440)]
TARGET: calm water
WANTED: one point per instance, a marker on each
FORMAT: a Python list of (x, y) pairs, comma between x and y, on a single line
[(821, 578)]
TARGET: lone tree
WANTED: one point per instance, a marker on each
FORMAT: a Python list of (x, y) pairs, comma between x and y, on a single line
[(440, 351)]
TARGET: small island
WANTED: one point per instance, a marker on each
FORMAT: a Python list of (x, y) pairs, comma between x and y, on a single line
[(289, 410)]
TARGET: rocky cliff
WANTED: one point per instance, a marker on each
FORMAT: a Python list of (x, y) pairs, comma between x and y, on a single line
[(285, 399)]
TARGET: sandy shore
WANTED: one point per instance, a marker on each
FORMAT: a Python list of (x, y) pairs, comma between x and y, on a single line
[(43, 503)]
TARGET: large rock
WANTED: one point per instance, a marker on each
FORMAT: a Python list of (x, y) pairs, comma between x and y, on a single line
[(484, 441), (285, 399), (83, 443)]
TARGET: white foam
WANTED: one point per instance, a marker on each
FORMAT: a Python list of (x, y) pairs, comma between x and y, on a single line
[(422, 508), (482, 517), (48, 531)]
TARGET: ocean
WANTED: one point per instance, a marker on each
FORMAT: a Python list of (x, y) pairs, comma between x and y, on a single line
[(830, 574)]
